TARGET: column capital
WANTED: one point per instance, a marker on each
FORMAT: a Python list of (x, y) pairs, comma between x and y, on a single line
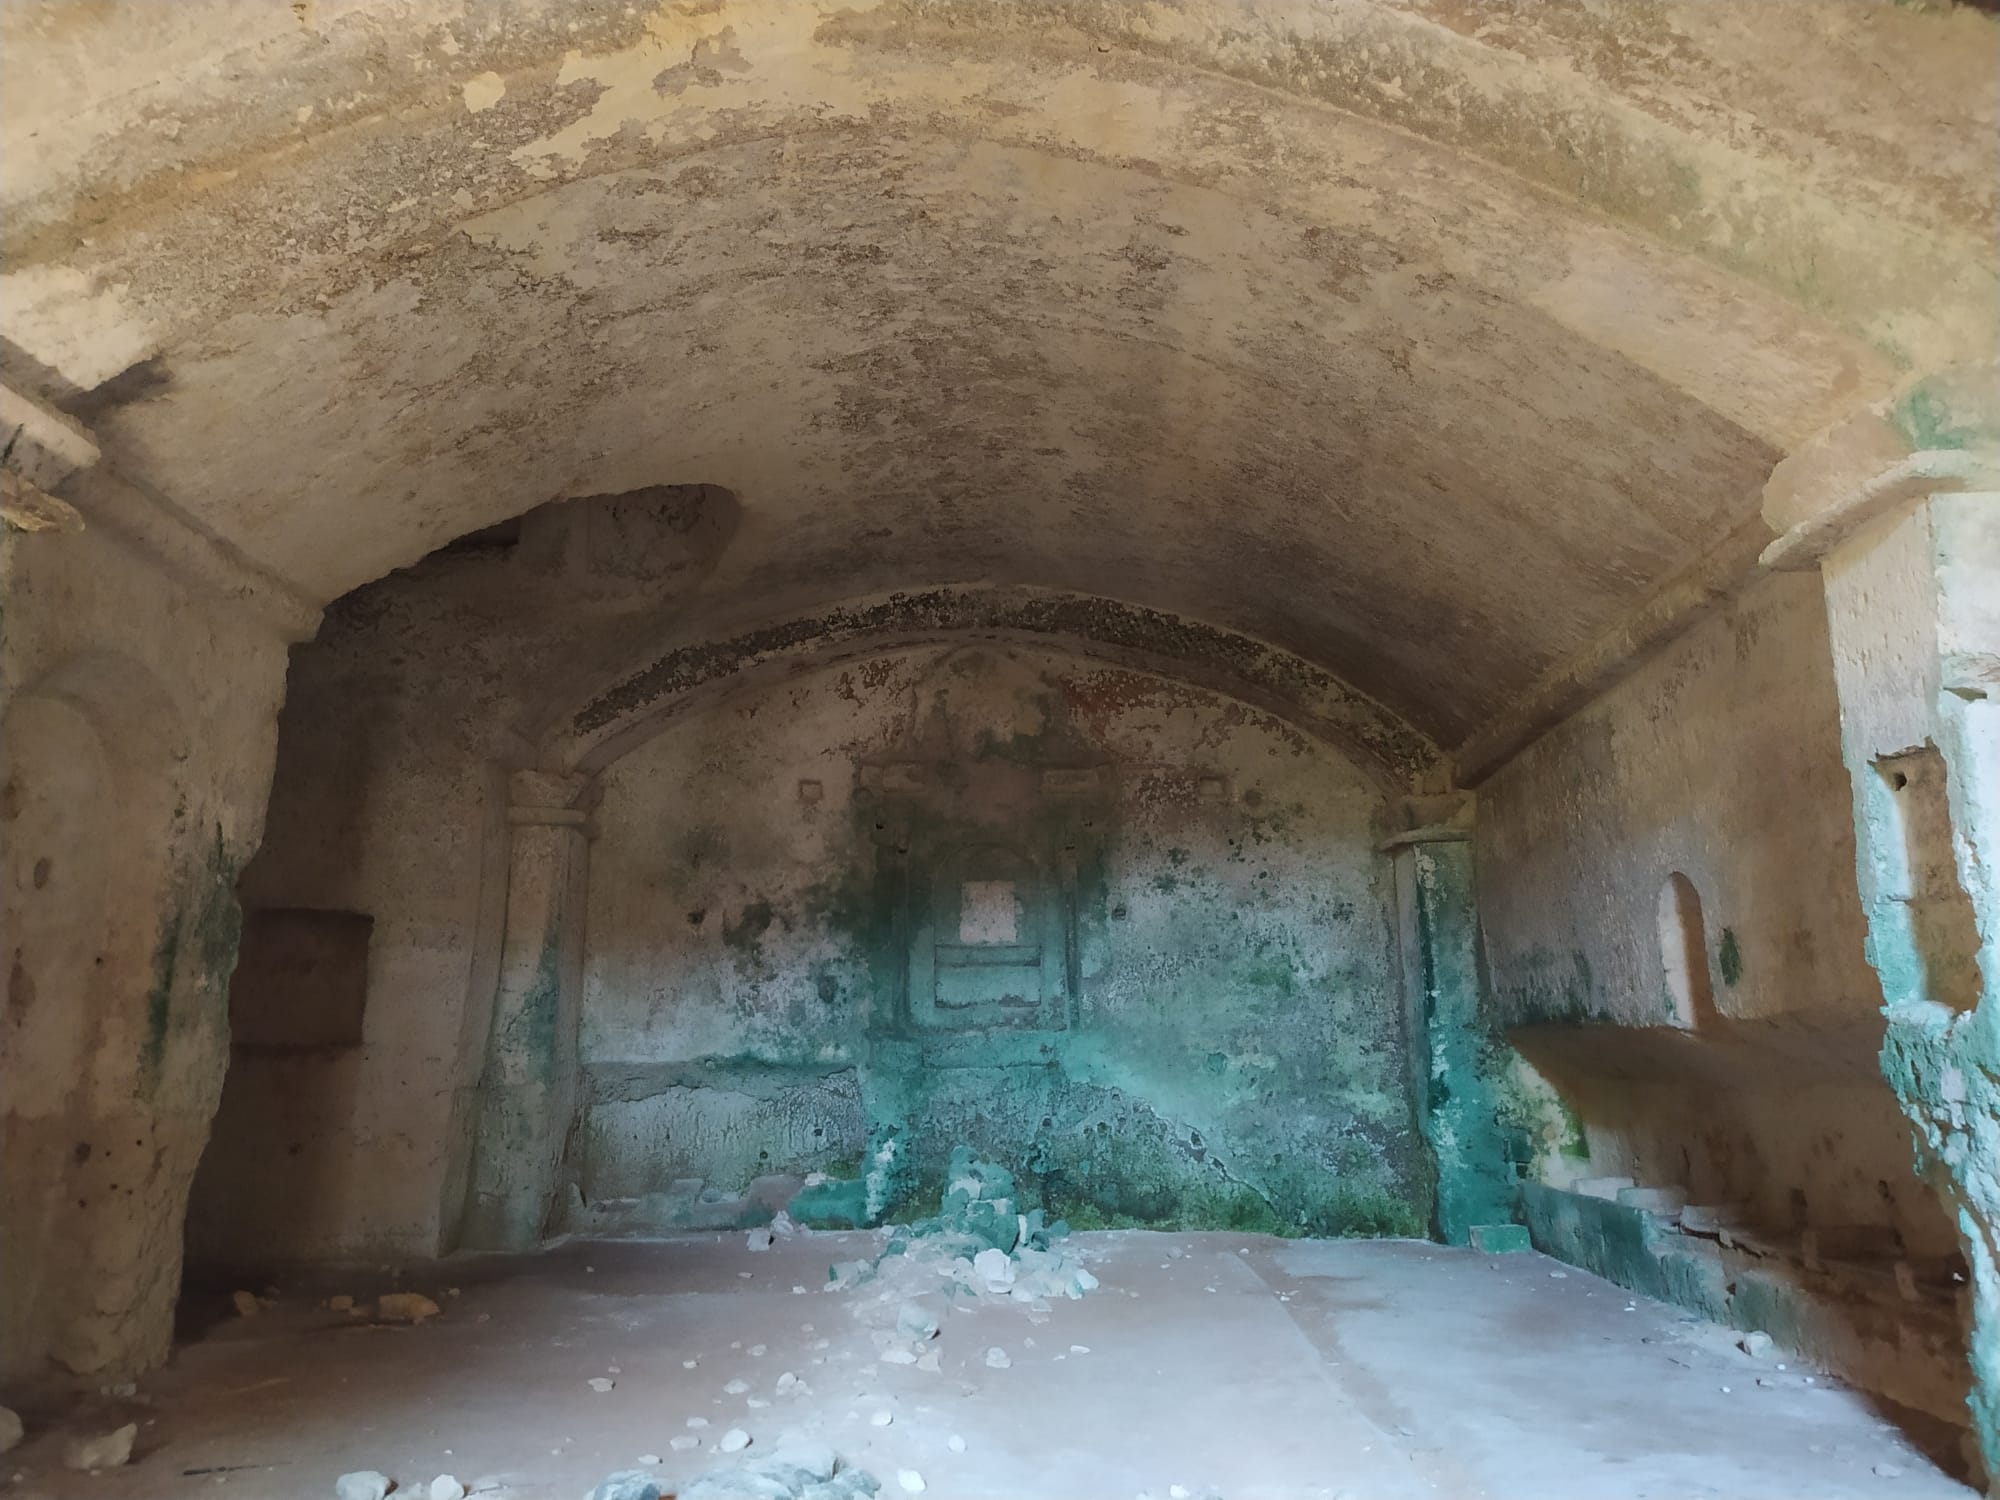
[(1443, 819), (1942, 436), (559, 798)]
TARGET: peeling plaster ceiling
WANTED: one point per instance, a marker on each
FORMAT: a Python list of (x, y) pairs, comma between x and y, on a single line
[(1421, 339)]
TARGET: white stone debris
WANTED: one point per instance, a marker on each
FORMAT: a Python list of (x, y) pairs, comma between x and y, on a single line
[(1888, 1471), (1757, 1345), (405, 1307), (682, 1442), (994, 1267), (601, 1383), (996, 1358), (758, 1239), (697, 1421), (881, 1419), (11, 1430), (648, 1459), (898, 1357), (362, 1484), (736, 1387), (758, 1351), (447, 1487), (733, 1441), (340, 1303), (911, 1481), (246, 1303), (955, 1443), (105, 1450)]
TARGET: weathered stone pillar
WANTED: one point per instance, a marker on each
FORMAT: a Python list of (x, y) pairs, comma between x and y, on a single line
[(528, 1091), (1452, 1043), (1897, 507)]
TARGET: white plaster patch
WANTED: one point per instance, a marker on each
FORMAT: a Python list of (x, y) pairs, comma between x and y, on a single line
[(986, 912), (483, 92), (85, 332)]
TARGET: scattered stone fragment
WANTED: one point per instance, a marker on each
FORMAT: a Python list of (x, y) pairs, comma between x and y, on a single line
[(689, 1364), (914, 1322), (881, 1419), (601, 1383), (931, 1363), (759, 1238), (955, 1443), (911, 1481), (996, 1358), (362, 1484), (697, 1421), (650, 1458), (1756, 1345), (11, 1430), (1079, 1348), (733, 1441), (736, 1387), (787, 1383), (1887, 1470), (405, 1307), (447, 1487), (341, 1303), (994, 1267), (898, 1356), (757, 1351), (627, 1484), (682, 1442), (246, 1304), (106, 1450)]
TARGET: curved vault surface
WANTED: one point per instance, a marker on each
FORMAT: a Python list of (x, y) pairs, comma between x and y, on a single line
[(1421, 341)]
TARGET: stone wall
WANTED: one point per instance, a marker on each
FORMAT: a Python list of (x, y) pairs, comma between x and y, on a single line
[(1718, 760), (737, 997), (139, 733), (785, 972)]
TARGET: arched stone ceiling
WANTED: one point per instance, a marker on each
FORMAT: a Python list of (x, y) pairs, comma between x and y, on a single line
[(1423, 340)]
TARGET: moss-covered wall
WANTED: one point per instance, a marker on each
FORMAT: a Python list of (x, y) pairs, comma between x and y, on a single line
[(1214, 1036)]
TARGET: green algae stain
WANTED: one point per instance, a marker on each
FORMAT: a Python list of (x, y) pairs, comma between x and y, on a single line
[(1729, 958), (160, 998)]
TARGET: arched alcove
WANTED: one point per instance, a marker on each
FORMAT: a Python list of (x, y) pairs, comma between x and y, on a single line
[(1684, 971)]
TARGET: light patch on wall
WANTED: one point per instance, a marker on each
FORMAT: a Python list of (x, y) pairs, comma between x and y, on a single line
[(484, 92), (987, 912)]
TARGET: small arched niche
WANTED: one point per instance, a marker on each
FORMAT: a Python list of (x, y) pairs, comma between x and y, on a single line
[(1684, 953)]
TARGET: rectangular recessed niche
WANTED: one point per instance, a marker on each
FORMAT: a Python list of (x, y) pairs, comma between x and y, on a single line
[(1923, 876), (301, 979)]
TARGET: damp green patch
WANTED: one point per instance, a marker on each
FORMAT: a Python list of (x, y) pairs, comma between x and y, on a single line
[(160, 997), (1950, 410), (1729, 958)]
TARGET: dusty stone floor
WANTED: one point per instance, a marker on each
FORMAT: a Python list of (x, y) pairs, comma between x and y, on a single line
[(1234, 1366)]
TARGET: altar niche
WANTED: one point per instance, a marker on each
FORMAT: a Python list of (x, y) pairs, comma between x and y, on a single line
[(981, 864)]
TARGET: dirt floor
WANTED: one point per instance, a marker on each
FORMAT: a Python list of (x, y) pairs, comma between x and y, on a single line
[(1216, 1365)]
